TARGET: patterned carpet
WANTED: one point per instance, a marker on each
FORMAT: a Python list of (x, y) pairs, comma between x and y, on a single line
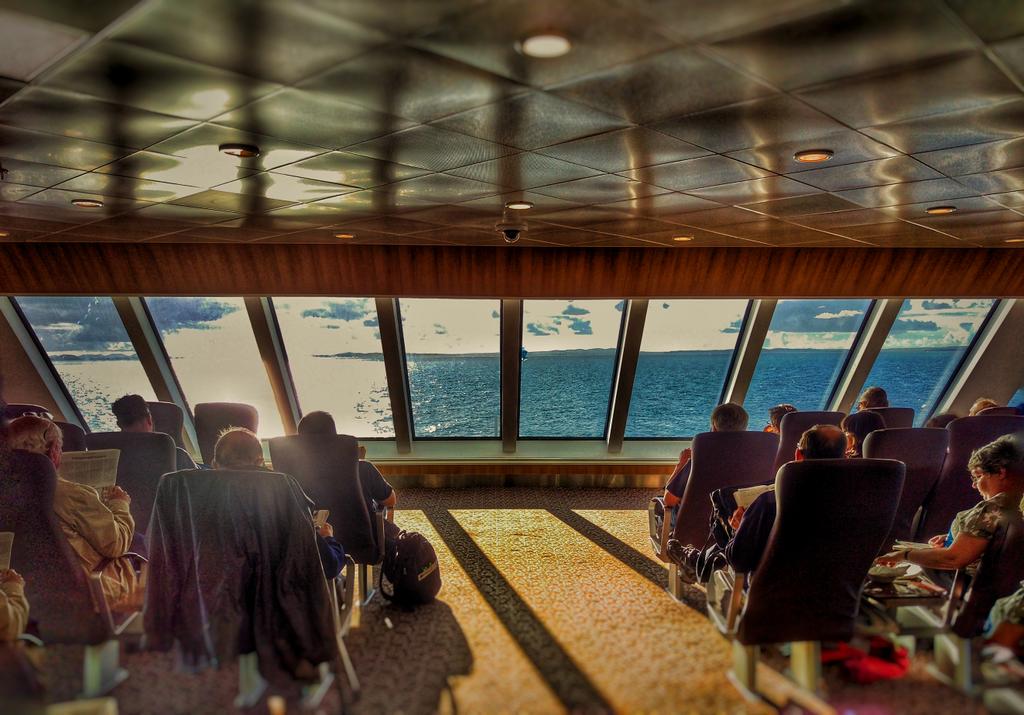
[(552, 603)]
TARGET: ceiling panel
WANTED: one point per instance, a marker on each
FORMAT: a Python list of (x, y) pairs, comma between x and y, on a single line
[(531, 121), (189, 171), (636, 91), (15, 192), (600, 189), (32, 174), (976, 158), (201, 145), (696, 173), (31, 44), (127, 187), (850, 40), (431, 148), (437, 188), (912, 192), (1004, 120), (664, 205), (398, 17), (230, 201), (285, 188), (725, 18), (893, 170), (524, 171), (994, 182), (745, 192), (963, 82), (801, 205), (236, 36), (39, 148), (350, 169), (90, 17), (990, 19), (151, 80), (849, 147), (624, 149), (62, 199), (602, 33)]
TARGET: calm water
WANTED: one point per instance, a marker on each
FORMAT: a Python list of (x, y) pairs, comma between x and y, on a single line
[(563, 395)]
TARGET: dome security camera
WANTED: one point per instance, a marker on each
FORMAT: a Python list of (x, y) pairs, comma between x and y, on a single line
[(511, 232)]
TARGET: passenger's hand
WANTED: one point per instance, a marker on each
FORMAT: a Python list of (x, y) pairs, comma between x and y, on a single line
[(736, 518), (115, 493), (937, 542), (362, 452), (685, 455), (326, 530), (11, 576), (893, 559)]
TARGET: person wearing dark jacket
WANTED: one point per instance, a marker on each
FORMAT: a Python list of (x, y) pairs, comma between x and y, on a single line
[(133, 415), (238, 448)]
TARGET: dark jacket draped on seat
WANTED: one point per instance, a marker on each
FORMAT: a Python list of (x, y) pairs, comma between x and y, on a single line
[(234, 568)]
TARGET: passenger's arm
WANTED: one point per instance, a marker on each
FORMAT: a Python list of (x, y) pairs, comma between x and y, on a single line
[(108, 527), (332, 555), (391, 500), (744, 550), (13, 606), (964, 551)]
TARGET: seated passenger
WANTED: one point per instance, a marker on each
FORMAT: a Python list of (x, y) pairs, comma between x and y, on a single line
[(982, 403), (1000, 658), (238, 448), (871, 398), (775, 415), (728, 417), (940, 421), (857, 426), (99, 529), (376, 489), (997, 472), (133, 415), (13, 606)]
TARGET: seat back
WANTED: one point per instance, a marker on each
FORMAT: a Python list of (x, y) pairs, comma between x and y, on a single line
[(169, 419), (74, 437), (721, 459), (833, 517), (896, 417), (997, 411), (794, 424), (327, 468), (999, 574), (234, 568), (923, 450), (55, 582), (145, 457), (953, 491), (212, 418), (15, 410)]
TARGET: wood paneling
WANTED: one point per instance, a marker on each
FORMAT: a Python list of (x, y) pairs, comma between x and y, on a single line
[(442, 271), (509, 474)]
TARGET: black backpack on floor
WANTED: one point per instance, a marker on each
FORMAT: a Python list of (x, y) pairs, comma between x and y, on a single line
[(410, 574)]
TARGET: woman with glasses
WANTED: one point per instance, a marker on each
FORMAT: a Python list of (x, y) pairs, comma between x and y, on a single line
[(997, 472)]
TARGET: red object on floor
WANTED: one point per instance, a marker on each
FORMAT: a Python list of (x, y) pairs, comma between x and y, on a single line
[(883, 661)]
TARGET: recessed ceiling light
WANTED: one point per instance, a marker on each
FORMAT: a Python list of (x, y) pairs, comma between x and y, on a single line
[(87, 203), (544, 45), (682, 238), (1008, 240), (519, 205), (242, 151), (344, 235), (813, 156), (940, 210), (4, 234)]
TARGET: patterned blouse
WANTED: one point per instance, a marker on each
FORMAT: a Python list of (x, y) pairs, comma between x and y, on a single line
[(983, 518)]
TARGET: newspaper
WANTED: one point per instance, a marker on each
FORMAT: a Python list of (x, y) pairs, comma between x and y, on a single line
[(6, 544), (745, 497), (96, 468), (320, 517)]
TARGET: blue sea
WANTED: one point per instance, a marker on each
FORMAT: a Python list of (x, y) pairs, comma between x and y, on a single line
[(566, 394)]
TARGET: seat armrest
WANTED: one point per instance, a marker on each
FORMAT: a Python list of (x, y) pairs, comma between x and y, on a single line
[(99, 600), (379, 517), (955, 598), (735, 603)]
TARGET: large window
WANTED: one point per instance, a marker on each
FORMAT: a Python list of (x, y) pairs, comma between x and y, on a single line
[(566, 368), (924, 348), (336, 362), (805, 350), (91, 351), (452, 354), (684, 360), (214, 354)]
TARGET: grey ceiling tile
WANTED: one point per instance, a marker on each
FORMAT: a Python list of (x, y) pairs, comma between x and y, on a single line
[(531, 121), (202, 144), (38, 148), (745, 192), (977, 158), (391, 224), (32, 174), (313, 118), (895, 230), (696, 173), (991, 19), (602, 35), (963, 82), (624, 149), (127, 187), (907, 193), (410, 83), (580, 217), (493, 206), (229, 201), (9, 87), (47, 217), (15, 192), (726, 18), (470, 213), (850, 40), (839, 221), (801, 205), (285, 188), (431, 148), (1011, 199), (280, 42), (399, 17), (600, 189), (665, 206), (61, 199), (637, 91), (893, 170), (994, 182), (1011, 53), (524, 171), (849, 147), (189, 171), (760, 122), (125, 74), (966, 207), (350, 169), (635, 227), (31, 44), (90, 17), (441, 188), (724, 216), (942, 131)]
